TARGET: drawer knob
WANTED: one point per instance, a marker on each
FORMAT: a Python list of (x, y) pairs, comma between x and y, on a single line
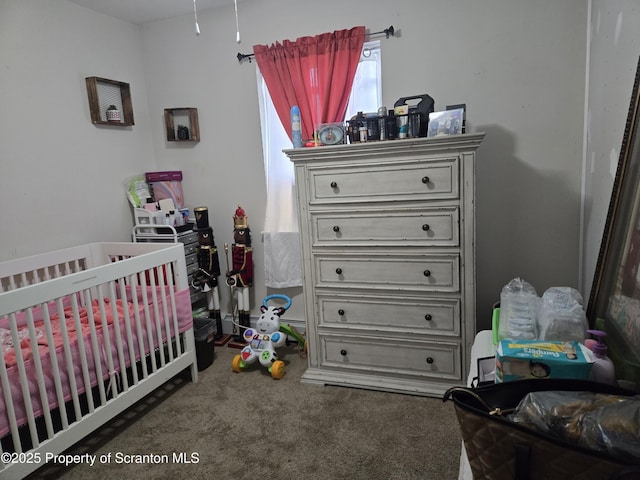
[(425, 180), (341, 312), (343, 353), (429, 360), (427, 273), (336, 228), (334, 185), (428, 317), (339, 271), (426, 227)]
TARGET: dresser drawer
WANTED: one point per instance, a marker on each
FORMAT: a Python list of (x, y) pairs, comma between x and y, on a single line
[(191, 259), (394, 272), (190, 249), (408, 181), (425, 227), (432, 316), (196, 295), (384, 357), (188, 237), (192, 268)]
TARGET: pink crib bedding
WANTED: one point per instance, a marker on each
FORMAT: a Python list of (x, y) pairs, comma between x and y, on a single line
[(145, 323)]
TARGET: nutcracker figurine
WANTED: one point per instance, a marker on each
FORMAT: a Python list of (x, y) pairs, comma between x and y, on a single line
[(206, 278), (241, 274)]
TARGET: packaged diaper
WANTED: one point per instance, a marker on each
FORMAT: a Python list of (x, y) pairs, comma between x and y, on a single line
[(519, 303), (518, 360), (562, 315)]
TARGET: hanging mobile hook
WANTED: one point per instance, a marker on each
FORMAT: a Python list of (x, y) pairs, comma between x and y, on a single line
[(237, 26), (195, 16)]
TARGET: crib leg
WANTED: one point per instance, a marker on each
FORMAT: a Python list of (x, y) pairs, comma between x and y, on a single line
[(194, 372), (190, 344)]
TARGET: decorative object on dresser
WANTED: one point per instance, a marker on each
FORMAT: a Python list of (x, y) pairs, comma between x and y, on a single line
[(388, 242), (447, 122), (330, 133)]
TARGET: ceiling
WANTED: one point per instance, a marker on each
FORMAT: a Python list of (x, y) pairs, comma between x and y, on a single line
[(142, 11)]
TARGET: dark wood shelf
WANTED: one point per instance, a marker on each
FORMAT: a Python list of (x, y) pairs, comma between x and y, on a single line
[(103, 92), (183, 116)]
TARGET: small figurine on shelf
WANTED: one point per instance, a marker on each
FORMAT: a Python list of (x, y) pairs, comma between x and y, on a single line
[(241, 274), (183, 132), (113, 114)]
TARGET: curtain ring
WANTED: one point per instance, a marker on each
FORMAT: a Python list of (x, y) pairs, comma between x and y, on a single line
[(366, 53)]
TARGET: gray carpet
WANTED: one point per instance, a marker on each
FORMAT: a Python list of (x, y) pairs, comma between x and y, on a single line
[(247, 425)]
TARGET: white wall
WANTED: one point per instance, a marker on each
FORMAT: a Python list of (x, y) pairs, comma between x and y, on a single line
[(615, 47), (518, 65), (61, 176)]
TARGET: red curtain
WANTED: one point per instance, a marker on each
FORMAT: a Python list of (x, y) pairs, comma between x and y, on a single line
[(315, 73)]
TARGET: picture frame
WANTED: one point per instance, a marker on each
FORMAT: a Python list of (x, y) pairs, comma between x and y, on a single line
[(445, 123), (464, 114), (614, 301), (486, 371)]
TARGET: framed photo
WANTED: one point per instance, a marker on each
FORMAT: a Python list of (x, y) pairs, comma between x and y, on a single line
[(464, 114), (486, 371), (614, 302), (445, 123)]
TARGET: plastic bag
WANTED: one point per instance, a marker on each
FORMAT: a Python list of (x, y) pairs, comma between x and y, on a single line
[(519, 303), (562, 315), (137, 191), (606, 423)]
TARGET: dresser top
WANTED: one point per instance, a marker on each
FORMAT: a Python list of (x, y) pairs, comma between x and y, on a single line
[(389, 148)]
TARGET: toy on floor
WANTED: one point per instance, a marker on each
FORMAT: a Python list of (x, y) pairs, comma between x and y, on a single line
[(289, 331), (263, 340)]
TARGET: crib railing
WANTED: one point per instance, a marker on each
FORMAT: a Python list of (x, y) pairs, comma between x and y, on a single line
[(81, 342)]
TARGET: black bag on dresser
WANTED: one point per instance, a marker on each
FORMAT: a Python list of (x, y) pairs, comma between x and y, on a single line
[(499, 449)]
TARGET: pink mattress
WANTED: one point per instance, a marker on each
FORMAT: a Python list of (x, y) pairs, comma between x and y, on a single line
[(152, 323)]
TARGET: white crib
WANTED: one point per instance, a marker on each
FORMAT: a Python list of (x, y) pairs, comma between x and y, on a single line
[(86, 332)]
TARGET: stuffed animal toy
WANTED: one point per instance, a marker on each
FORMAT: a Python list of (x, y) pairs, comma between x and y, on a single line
[(263, 340)]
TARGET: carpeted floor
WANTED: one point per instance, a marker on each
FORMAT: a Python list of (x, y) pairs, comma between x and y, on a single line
[(247, 425)]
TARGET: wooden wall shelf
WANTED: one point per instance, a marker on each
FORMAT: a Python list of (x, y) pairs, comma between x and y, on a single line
[(182, 117), (103, 92)]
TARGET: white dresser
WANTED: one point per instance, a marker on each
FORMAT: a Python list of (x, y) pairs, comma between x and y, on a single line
[(388, 245)]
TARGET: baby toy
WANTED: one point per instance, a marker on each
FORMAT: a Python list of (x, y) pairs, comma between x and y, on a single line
[(264, 339)]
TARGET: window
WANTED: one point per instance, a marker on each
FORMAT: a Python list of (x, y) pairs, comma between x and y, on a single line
[(282, 260), (366, 93)]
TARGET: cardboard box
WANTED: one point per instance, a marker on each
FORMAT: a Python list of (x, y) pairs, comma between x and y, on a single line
[(166, 185), (518, 360)]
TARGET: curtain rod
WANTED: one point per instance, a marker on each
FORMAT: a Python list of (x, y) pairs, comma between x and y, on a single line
[(387, 32)]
